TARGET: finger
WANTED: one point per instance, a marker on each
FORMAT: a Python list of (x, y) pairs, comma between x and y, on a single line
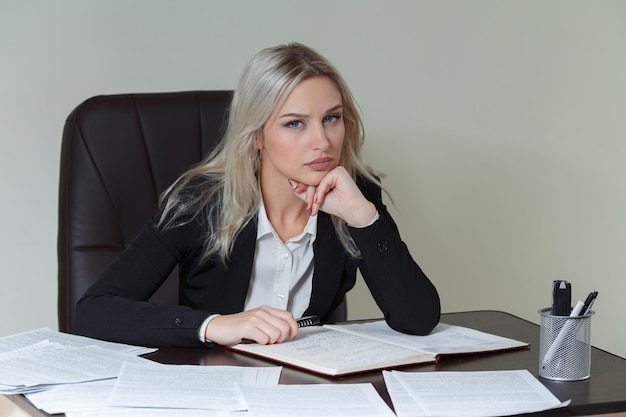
[(310, 195), (297, 187), (273, 325), (286, 317), (323, 189)]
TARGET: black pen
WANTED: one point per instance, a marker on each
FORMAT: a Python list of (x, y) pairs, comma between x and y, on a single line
[(305, 321), (588, 303)]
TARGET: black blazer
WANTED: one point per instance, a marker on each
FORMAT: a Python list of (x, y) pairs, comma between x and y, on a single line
[(114, 308)]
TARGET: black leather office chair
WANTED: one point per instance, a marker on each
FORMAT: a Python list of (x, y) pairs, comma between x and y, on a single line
[(119, 153)]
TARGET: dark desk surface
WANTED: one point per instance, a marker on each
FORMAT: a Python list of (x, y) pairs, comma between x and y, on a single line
[(604, 392)]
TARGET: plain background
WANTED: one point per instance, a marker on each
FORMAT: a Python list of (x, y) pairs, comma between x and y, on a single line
[(500, 126)]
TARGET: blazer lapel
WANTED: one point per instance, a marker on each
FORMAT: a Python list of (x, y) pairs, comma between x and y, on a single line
[(329, 258), (240, 267)]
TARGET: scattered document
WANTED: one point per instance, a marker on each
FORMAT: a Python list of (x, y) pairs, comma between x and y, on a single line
[(91, 399), (49, 364), (21, 340), (156, 412), (82, 377), (68, 398), (187, 386), (344, 349), (468, 394), (312, 400)]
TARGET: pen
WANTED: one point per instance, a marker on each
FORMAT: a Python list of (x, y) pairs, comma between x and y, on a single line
[(588, 303), (305, 321)]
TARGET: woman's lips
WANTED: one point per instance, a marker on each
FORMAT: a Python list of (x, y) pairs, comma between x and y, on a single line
[(320, 164)]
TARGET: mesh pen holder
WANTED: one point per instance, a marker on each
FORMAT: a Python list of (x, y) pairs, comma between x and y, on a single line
[(564, 346)]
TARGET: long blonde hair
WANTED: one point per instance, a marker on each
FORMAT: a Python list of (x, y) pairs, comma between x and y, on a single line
[(223, 190)]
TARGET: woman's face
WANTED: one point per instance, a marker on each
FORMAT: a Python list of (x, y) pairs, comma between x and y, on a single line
[(302, 140)]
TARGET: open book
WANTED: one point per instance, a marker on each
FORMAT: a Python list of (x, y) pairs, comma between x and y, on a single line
[(351, 348)]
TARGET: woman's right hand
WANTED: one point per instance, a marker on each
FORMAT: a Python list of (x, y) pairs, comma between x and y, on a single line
[(265, 325)]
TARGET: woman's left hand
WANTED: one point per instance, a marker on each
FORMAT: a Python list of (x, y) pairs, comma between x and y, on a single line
[(337, 194)]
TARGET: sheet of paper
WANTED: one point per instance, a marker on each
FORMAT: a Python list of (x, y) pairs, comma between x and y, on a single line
[(444, 339), (403, 402), (314, 400), (73, 397), (56, 364), (469, 394), (156, 412), (187, 386), (32, 337)]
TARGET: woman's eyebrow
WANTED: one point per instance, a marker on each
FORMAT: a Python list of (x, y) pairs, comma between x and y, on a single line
[(334, 108)]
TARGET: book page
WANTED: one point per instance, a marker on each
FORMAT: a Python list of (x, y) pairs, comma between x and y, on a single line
[(444, 339), (334, 353)]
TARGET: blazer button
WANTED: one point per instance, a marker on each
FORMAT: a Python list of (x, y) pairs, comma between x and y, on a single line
[(383, 246), (178, 321)]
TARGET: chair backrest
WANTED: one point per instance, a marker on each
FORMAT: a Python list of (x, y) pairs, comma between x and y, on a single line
[(119, 153)]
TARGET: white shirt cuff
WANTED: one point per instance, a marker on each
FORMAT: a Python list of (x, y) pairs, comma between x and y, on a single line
[(202, 330)]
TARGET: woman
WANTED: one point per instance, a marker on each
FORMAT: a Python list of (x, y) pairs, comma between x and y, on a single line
[(272, 225)]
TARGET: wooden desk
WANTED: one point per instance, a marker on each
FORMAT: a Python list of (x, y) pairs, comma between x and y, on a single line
[(604, 392)]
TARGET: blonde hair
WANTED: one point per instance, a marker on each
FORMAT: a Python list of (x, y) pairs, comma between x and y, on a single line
[(223, 190)]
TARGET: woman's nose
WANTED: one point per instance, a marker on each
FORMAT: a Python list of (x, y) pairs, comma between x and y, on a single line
[(319, 137)]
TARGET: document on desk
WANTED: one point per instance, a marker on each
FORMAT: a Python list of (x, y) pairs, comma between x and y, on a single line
[(328, 400), (155, 412), (344, 349), (25, 339), (46, 364), (91, 400), (67, 398), (467, 394), (187, 386)]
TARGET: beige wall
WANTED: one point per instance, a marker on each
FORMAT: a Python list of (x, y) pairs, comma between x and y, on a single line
[(500, 126)]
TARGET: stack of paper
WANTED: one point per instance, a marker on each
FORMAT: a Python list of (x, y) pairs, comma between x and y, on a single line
[(150, 388), (45, 365), (26, 339), (41, 359)]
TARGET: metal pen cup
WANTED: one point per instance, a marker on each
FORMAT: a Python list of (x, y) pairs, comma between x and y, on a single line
[(564, 346)]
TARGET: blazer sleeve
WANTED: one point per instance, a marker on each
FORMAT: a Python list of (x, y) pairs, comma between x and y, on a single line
[(115, 307), (407, 298)]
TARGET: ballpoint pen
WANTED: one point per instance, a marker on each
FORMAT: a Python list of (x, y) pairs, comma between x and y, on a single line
[(305, 321), (588, 303)]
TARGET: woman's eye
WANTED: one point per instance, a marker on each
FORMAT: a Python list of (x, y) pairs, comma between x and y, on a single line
[(293, 124), (331, 118)]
